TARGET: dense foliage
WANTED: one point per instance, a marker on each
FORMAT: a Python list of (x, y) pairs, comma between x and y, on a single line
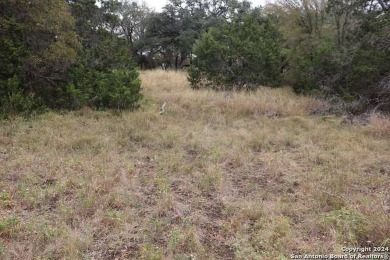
[(73, 53), (38, 45), (57, 54), (168, 36), (118, 89), (104, 76), (338, 48), (243, 53)]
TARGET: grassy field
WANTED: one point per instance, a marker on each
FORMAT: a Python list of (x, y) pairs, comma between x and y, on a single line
[(217, 176)]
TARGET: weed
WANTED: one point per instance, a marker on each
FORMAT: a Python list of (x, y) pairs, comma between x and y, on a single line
[(9, 226), (2, 248), (351, 227), (149, 252)]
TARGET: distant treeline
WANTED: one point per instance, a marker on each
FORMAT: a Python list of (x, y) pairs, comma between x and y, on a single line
[(68, 54)]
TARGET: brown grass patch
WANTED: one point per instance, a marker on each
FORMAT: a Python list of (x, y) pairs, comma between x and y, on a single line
[(217, 176)]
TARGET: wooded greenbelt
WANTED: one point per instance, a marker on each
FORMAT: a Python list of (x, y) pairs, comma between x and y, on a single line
[(71, 54)]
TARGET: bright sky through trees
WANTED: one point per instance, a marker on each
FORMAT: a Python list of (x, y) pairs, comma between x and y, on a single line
[(158, 4)]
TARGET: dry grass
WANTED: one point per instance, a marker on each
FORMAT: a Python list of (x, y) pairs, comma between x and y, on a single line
[(217, 176)]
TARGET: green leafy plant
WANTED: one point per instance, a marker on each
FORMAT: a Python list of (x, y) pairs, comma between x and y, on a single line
[(239, 54), (117, 89)]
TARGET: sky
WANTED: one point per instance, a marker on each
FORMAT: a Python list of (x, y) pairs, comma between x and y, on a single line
[(158, 4)]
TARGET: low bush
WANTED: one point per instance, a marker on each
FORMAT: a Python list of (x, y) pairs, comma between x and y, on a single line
[(14, 100), (116, 89)]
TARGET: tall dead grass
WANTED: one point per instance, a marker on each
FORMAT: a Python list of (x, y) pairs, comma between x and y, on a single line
[(173, 87), (217, 176)]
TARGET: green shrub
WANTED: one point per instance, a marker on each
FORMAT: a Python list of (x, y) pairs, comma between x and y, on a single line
[(105, 76), (312, 65), (38, 45), (14, 101), (239, 54), (117, 89), (43, 64)]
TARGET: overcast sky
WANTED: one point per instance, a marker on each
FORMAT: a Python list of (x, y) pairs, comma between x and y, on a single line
[(158, 4)]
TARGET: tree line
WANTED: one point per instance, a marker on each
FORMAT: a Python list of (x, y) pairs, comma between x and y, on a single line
[(68, 54)]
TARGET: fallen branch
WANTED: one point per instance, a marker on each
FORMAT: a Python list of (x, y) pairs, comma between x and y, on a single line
[(162, 110)]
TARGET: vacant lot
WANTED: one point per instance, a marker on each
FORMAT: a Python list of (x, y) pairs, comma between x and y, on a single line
[(217, 176)]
